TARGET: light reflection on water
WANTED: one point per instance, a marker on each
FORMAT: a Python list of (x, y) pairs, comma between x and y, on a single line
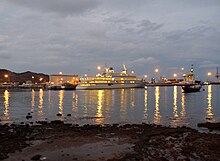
[(6, 105), (159, 105), (210, 114)]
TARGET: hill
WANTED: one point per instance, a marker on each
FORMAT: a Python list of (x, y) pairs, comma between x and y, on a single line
[(9, 76)]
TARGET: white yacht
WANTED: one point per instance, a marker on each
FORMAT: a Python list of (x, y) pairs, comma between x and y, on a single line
[(109, 79)]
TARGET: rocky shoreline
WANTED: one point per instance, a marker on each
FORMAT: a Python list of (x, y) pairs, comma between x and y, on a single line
[(59, 141)]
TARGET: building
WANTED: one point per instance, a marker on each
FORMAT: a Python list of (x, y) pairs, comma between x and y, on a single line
[(59, 79)]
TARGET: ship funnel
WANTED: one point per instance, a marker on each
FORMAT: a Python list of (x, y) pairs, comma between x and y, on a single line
[(124, 71)]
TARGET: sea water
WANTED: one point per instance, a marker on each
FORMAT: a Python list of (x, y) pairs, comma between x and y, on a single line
[(158, 105)]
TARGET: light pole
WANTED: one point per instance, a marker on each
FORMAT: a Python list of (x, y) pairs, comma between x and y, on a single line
[(99, 68), (209, 75), (175, 75), (156, 71), (145, 78)]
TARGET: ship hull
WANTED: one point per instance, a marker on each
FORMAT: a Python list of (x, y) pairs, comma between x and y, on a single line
[(191, 88), (110, 86)]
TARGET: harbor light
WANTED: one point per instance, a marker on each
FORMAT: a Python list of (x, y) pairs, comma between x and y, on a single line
[(209, 76), (98, 67)]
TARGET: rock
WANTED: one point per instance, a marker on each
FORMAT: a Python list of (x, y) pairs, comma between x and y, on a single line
[(68, 114), (36, 157), (57, 122), (59, 114), (28, 117)]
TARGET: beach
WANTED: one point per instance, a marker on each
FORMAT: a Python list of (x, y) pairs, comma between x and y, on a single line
[(58, 141)]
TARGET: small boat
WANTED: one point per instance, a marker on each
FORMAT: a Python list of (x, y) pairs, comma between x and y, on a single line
[(65, 86), (55, 87), (191, 88), (190, 84), (69, 86)]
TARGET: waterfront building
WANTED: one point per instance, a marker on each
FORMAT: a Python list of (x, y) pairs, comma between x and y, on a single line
[(59, 79)]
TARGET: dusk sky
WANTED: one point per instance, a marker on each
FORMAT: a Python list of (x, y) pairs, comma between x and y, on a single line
[(75, 36)]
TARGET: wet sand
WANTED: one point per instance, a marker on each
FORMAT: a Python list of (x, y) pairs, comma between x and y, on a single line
[(56, 141)]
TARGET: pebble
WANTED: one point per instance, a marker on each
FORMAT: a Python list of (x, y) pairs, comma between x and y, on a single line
[(36, 157), (28, 117), (59, 114)]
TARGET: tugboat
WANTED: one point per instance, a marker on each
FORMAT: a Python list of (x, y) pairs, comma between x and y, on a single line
[(191, 88), (190, 84)]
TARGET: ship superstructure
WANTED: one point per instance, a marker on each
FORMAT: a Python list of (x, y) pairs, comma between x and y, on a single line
[(109, 79)]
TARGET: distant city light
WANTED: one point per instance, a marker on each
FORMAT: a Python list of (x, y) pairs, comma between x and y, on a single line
[(32, 77), (182, 69), (6, 75), (60, 73), (132, 72), (156, 70), (85, 75), (40, 79), (145, 76), (174, 75), (209, 73)]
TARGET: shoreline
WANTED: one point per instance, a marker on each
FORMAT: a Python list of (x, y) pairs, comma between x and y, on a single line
[(56, 140)]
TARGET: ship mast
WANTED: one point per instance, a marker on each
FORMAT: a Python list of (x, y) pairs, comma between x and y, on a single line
[(217, 74)]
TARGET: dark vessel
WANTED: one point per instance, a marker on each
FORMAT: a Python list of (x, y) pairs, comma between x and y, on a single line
[(191, 88), (68, 86)]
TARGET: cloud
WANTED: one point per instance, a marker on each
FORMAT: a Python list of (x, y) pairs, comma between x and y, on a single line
[(63, 7), (146, 26), (143, 61), (208, 64), (5, 56)]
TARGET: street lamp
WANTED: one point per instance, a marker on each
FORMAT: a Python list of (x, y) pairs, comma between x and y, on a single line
[(98, 67), (156, 71), (60, 73), (145, 77), (175, 75), (209, 75), (132, 72)]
